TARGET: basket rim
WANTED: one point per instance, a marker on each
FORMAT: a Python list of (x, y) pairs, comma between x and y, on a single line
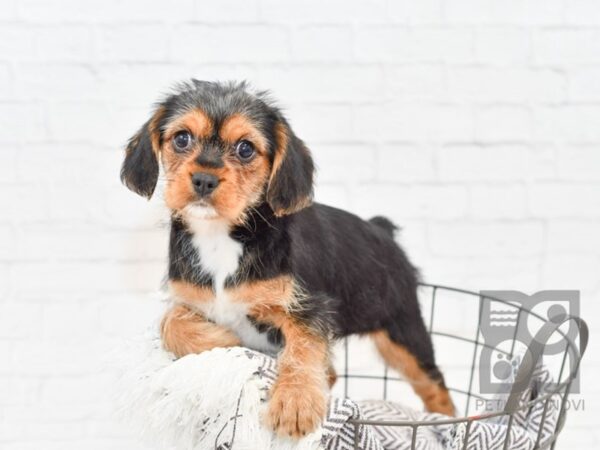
[(562, 389)]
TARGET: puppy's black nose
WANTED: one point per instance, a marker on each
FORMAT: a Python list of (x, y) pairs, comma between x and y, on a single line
[(204, 183)]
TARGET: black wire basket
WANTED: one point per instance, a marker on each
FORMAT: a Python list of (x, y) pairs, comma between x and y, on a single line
[(465, 390)]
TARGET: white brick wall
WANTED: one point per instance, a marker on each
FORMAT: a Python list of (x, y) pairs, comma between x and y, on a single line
[(474, 124)]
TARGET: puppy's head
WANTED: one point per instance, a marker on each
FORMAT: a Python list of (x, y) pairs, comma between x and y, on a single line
[(224, 151)]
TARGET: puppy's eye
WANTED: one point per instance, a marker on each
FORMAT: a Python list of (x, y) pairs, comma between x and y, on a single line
[(182, 141), (244, 150)]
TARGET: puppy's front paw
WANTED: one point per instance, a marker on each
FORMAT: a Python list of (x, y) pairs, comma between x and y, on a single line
[(296, 410)]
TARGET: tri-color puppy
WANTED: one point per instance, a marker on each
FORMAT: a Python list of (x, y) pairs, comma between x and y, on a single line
[(254, 262)]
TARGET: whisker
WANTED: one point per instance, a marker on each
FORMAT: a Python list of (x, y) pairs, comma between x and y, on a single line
[(264, 218)]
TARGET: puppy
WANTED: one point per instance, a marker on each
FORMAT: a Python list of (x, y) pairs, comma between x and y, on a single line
[(253, 262)]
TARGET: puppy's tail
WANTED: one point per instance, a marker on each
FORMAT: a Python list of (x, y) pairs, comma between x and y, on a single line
[(385, 224)]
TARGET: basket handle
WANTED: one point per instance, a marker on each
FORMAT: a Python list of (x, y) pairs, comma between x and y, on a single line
[(534, 353)]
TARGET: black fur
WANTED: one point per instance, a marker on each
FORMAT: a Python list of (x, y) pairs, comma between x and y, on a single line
[(292, 184), (355, 276), (385, 223), (289, 187), (140, 167)]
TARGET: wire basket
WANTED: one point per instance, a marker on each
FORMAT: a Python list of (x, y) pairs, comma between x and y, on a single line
[(466, 391)]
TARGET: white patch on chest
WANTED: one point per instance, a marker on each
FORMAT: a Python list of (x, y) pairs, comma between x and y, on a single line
[(220, 257), (219, 253)]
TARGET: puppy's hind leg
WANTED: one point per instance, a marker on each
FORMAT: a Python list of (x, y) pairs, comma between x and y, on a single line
[(422, 373), (331, 375)]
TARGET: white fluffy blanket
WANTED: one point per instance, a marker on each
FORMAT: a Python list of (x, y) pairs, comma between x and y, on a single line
[(216, 401)]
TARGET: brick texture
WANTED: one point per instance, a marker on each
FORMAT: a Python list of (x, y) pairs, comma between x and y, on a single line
[(475, 125)]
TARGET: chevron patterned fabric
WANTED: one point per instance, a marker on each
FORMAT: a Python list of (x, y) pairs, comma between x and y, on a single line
[(215, 401)]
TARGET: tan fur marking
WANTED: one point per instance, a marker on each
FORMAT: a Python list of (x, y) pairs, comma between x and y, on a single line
[(154, 131), (331, 376), (269, 299), (184, 332), (282, 139), (298, 397), (237, 127), (191, 293), (195, 121), (435, 397), (240, 185)]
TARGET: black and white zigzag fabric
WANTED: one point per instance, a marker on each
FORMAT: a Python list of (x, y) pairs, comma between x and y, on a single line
[(531, 427), (216, 401)]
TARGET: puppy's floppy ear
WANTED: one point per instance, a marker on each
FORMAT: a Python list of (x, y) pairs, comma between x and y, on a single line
[(139, 171), (290, 186)]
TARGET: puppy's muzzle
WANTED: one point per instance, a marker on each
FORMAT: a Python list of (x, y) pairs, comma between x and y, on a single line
[(204, 183)]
